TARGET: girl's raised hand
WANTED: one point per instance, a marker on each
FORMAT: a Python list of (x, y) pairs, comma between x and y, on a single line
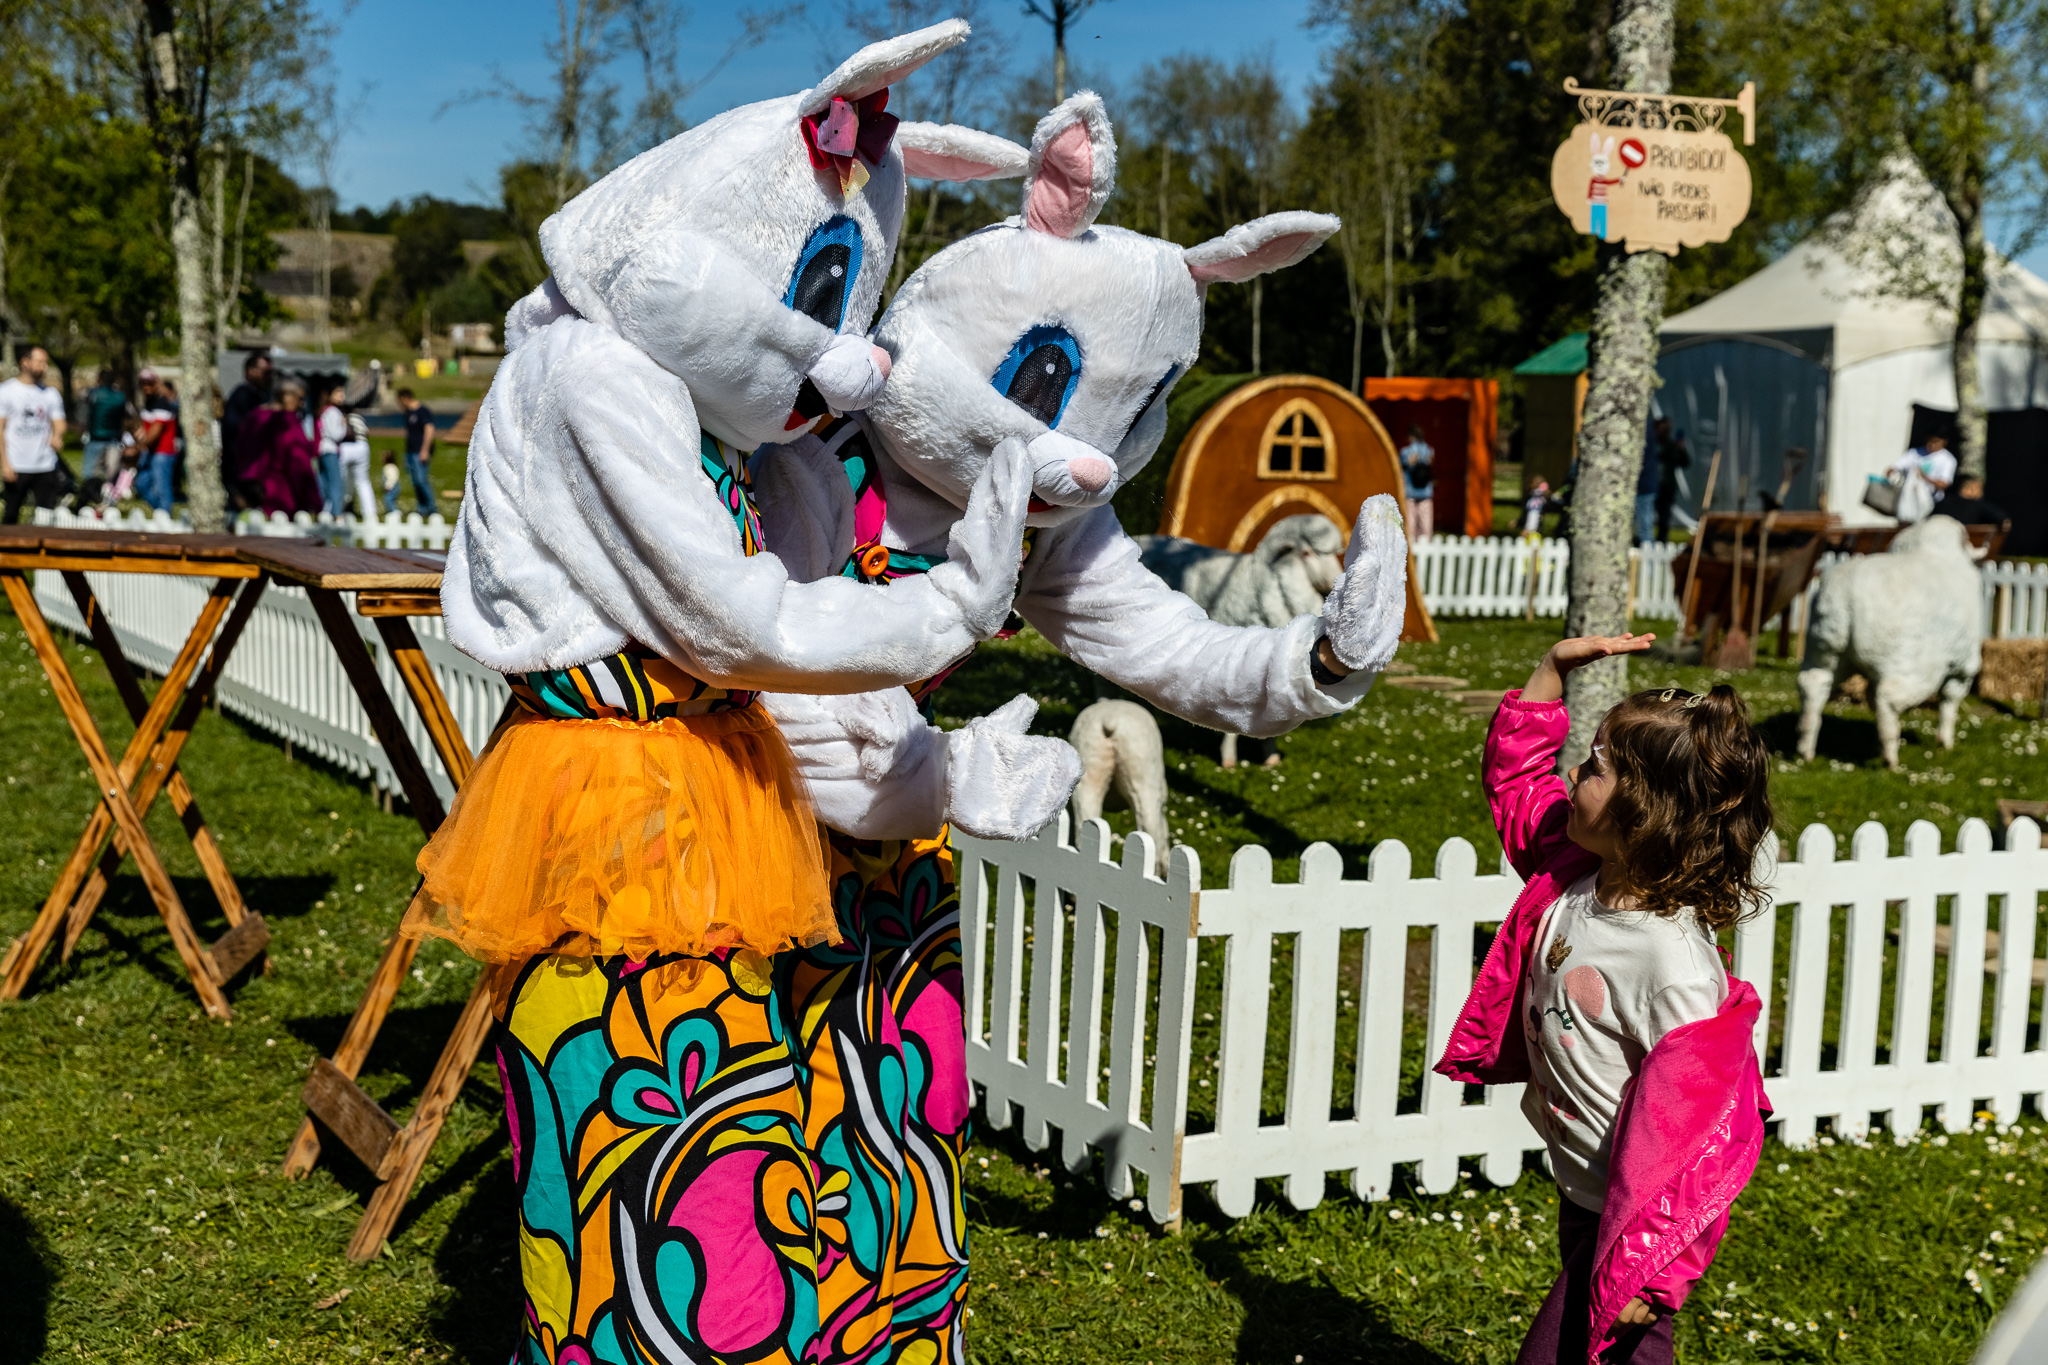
[(1547, 682)]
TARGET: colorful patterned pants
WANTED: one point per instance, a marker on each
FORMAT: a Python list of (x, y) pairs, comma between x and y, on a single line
[(741, 1158)]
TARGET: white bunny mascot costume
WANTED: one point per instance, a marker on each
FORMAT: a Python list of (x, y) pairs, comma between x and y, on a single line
[(1050, 334), (706, 1098)]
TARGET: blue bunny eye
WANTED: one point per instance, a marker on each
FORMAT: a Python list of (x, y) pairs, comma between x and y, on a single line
[(1041, 372), (825, 271)]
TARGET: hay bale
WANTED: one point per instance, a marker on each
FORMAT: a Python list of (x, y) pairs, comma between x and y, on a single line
[(2014, 670)]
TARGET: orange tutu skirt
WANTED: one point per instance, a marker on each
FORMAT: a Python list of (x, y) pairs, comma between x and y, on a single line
[(605, 837)]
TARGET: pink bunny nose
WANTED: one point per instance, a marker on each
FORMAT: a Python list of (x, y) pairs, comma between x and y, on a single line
[(881, 361), (1090, 472)]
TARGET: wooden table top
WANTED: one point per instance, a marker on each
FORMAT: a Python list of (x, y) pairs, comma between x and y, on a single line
[(188, 553), (345, 567)]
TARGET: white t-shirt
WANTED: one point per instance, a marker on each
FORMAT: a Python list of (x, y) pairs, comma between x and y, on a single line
[(1922, 468), (1602, 987), (333, 430), (29, 411)]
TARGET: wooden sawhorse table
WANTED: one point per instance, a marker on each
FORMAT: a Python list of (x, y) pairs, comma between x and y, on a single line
[(390, 586), (148, 766)]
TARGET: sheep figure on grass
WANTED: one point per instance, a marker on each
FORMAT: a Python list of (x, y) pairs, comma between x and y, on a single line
[(1288, 575), (1910, 621), (1119, 743)]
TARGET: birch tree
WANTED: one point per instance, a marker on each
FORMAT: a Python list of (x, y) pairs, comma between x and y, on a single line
[(1622, 351), (196, 73), (1952, 89)]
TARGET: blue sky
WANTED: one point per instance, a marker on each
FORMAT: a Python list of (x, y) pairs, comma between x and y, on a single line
[(416, 57), (401, 63)]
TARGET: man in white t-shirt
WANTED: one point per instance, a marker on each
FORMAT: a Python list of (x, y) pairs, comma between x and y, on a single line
[(31, 433)]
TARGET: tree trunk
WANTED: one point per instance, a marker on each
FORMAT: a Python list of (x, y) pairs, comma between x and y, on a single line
[(1258, 303), (1966, 201), (1622, 374), (217, 231), (206, 498)]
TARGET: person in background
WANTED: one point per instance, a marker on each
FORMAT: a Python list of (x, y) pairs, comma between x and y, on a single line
[(278, 468), (31, 434), (1418, 472), (355, 466), (1533, 509), (1672, 456), (419, 449), (106, 418), (252, 393), (1969, 506), (331, 432), (1645, 520), (157, 442), (1929, 468)]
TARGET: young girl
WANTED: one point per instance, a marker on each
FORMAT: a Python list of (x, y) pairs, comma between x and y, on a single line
[(1605, 993)]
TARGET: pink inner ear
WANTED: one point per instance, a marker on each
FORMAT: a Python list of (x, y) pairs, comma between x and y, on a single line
[(1066, 176), (1269, 255), (926, 165)]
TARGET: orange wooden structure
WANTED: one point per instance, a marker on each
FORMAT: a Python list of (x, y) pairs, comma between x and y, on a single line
[(1459, 419), (1278, 447)]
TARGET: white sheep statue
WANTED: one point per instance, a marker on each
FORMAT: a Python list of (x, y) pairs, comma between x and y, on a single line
[(1286, 576), (1119, 741), (1910, 621)]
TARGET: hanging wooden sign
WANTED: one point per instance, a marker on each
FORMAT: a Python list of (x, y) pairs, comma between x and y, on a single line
[(1654, 172)]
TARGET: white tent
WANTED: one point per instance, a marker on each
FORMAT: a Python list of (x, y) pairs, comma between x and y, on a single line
[(1875, 354)]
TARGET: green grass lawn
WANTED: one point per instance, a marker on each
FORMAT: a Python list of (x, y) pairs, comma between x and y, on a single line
[(142, 1218)]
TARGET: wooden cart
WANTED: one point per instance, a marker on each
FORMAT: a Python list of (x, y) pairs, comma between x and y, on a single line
[(1724, 584)]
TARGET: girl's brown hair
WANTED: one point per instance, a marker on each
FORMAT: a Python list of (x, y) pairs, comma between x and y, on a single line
[(1691, 802)]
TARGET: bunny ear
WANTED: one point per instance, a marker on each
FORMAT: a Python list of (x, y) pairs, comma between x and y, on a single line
[(880, 65), (1256, 248), (1072, 167), (947, 151)]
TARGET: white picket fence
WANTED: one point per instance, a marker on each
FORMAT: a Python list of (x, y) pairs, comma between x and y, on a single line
[(1044, 1059), (284, 676), (1490, 576)]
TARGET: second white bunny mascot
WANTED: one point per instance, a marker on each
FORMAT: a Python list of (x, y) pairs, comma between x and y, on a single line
[(1051, 335), (715, 1118), (1056, 340)]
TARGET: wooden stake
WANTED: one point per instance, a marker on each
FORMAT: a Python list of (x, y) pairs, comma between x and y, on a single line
[(1699, 539)]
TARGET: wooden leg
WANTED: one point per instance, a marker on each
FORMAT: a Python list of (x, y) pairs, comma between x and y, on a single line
[(113, 791), (355, 1042), (362, 675), (150, 721), (161, 772), (404, 647), (408, 1151)]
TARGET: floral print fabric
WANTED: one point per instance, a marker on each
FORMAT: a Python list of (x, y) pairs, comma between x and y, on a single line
[(748, 1158)]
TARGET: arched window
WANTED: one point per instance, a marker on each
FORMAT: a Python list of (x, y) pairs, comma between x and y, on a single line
[(1298, 443)]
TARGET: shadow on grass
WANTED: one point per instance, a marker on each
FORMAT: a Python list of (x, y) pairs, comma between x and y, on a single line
[(478, 1258), (25, 1270), (1845, 739), (1285, 1320)]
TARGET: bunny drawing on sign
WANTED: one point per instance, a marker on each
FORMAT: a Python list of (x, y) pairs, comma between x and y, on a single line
[(1062, 338), (703, 1177), (1602, 182)]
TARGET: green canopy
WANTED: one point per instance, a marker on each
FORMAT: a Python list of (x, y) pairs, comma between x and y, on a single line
[(1560, 357)]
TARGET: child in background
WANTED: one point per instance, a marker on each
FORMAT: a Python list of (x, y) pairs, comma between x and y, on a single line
[(1533, 509), (1605, 992)]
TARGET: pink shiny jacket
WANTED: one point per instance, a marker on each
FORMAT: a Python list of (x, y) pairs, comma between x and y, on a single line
[(1691, 1124)]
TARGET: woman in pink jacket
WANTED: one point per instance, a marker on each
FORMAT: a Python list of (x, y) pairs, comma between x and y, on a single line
[(1605, 993)]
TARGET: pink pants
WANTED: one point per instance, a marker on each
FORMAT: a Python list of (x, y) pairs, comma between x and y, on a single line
[(1421, 518)]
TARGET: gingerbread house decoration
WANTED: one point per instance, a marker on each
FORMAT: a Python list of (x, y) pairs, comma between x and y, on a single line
[(1277, 447)]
